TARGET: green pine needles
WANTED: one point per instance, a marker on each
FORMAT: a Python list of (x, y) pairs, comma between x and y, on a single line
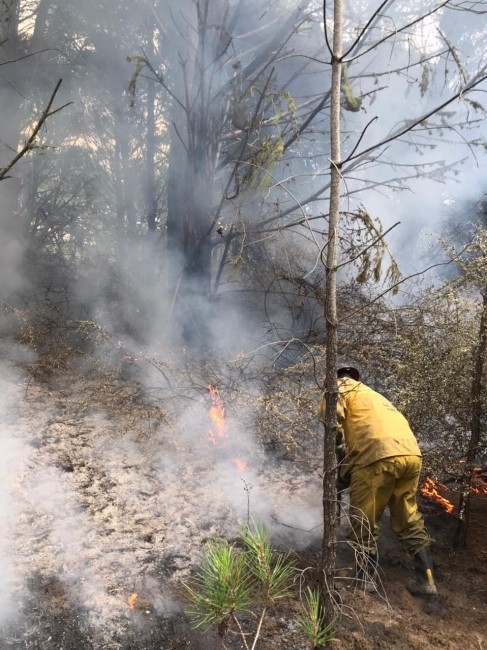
[(235, 587), (312, 621), (222, 587)]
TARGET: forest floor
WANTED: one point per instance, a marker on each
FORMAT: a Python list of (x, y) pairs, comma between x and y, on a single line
[(102, 519)]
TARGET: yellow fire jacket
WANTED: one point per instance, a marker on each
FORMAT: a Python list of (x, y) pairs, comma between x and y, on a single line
[(372, 427)]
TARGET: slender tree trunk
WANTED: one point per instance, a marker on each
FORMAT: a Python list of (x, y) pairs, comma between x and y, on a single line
[(129, 180), (151, 190), (119, 189), (150, 148), (461, 533), (12, 228), (329, 460), (11, 84)]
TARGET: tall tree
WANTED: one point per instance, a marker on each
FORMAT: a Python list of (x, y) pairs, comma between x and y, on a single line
[(471, 263), (329, 457), (230, 113)]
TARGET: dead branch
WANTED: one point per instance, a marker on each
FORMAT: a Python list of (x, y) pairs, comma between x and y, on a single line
[(30, 143), (27, 56), (410, 126)]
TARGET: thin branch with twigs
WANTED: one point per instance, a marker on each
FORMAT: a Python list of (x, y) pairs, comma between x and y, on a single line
[(30, 143)]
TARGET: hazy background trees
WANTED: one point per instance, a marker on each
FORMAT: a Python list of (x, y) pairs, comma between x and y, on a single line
[(221, 162)]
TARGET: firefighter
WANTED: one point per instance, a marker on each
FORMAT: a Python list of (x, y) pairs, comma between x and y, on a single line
[(380, 461)]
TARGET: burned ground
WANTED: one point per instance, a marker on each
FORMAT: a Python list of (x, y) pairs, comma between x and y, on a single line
[(106, 518)]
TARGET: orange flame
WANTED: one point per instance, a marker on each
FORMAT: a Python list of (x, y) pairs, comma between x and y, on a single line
[(241, 464), (217, 433), (217, 415), (131, 601), (430, 490), (479, 486)]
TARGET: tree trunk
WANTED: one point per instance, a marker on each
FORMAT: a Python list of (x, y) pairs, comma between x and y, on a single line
[(328, 560), (11, 88), (150, 198), (118, 187), (461, 533), (11, 84), (151, 188), (192, 158)]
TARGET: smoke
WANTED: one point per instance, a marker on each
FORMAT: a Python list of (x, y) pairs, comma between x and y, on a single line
[(418, 175), (97, 147), (14, 453), (74, 226), (70, 534)]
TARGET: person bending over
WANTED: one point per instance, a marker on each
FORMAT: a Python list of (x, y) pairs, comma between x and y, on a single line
[(380, 461)]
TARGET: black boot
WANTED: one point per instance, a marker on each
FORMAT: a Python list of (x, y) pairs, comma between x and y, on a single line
[(366, 573), (423, 568)]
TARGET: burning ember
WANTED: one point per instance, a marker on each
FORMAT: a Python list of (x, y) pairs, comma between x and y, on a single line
[(139, 604), (430, 490)]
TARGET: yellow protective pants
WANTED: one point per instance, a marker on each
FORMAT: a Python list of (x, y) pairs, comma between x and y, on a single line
[(390, 482)]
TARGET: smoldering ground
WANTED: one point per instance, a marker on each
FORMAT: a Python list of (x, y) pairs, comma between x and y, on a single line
[(100, 510), (106, 518)]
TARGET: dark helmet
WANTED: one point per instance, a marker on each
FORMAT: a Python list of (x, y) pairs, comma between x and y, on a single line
[(348, 371)]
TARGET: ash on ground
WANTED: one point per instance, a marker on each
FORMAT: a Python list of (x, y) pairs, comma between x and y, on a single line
[(103, 520)]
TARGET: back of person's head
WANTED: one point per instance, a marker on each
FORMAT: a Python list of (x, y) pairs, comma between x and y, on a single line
[(348, 371)]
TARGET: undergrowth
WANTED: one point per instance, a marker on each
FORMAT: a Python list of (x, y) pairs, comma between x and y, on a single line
[(235, 588)]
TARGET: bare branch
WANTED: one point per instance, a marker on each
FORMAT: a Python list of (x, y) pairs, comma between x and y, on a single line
[(394, 32), (479, 78), (30, 143), (360, 138), (394, 286), (327, 40), (364, 29), (27, 56)]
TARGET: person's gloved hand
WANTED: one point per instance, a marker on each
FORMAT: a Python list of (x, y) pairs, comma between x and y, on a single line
[(340, 451), (342, 484)]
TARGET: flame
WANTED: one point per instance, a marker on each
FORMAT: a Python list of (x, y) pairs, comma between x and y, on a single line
[(241, 464), (429, 489), (217, 433), (479, 485), (217, 416), (131, 601)]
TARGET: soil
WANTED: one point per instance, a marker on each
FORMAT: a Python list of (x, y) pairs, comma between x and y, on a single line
[(103, 518)]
